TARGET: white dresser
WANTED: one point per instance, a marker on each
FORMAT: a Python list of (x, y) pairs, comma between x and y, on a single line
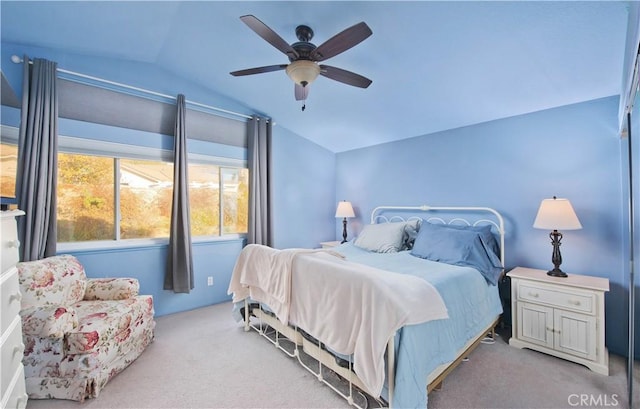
[(560, 316), (12, 376)]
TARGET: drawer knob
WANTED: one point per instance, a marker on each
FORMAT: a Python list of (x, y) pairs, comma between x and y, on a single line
[(18, 349), (534, 295), (15, 297), (22, 400), (13, 244), (574, 302)]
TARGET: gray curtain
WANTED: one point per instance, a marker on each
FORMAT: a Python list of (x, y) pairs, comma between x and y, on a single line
[(259, 158), (38, 160), (179, 274)]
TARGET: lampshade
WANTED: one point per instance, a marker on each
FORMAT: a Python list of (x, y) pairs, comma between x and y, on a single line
[(556, 214), (303, 72), (345, 209)]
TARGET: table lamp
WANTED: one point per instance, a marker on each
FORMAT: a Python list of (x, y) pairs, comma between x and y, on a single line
[(344, 210), (556, 214)]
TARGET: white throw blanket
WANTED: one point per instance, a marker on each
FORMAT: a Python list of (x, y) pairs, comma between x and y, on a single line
[(351, 308), (264, 274), (355, 309)]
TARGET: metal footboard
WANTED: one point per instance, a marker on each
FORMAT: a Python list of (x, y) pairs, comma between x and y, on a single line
[(325, 360)]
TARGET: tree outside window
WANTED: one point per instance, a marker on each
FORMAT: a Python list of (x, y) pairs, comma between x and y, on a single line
[(87, 199), (8, 169)]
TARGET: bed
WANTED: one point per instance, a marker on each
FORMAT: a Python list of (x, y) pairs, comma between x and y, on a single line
[(391, 312)]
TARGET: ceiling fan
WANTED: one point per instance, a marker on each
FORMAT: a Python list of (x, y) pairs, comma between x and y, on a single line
[(304, 56)]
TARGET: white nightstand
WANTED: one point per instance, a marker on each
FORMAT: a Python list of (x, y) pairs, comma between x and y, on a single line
[(563, 317), (329, 244)]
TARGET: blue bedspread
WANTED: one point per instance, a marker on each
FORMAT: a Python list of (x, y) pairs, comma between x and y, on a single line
[(472, 304)]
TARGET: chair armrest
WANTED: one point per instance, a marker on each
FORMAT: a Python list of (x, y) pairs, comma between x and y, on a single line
[(111, 289), (48, 321)]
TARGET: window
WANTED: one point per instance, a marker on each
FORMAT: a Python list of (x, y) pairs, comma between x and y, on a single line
[(146, 191), (8, 169), (117, 191), (204, 199), (92, 206), (235, 196), (86, 201), (207, 185)]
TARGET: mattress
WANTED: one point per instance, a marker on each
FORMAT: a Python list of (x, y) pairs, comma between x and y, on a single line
[(472, 304)]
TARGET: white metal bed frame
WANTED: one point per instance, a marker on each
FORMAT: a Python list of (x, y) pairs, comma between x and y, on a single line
[(327, 360)]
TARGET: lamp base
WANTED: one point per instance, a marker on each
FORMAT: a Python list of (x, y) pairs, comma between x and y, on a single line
[(556, 257), (556, 272), (344, 230)]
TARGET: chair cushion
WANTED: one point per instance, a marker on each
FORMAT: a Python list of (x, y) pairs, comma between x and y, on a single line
[(111, 288), (106, 324), (58, 280)]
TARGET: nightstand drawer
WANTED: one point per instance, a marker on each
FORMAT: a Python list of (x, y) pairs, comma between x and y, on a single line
[(10, 298), (11, 352), (17, 394), (9, 244), (537, 293)]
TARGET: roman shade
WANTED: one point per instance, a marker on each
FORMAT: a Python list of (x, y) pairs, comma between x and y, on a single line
[(95, 104)]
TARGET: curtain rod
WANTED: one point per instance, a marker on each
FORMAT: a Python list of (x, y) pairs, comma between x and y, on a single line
[(18, 60)]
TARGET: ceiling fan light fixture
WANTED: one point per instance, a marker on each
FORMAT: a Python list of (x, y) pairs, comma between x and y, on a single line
[(303, 72)]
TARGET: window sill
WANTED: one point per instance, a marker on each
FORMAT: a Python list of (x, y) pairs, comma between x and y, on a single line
[(106, 245)]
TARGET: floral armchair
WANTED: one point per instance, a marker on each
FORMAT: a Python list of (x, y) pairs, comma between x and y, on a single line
[(78, 332)]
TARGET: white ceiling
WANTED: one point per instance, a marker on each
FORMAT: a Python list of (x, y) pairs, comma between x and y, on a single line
[(434, 65)]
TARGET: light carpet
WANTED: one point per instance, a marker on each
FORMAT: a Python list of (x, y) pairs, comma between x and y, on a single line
[(204, 359)]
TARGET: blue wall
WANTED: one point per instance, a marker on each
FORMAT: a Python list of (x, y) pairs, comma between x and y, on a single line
[(303, 191), (511, 165)]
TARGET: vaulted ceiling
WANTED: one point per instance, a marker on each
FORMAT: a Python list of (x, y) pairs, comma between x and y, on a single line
[(435, 65)]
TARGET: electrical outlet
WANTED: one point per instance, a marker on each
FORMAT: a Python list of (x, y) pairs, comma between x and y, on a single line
[(209, 280)]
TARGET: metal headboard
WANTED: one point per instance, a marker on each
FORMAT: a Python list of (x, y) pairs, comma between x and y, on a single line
[(497, 221)]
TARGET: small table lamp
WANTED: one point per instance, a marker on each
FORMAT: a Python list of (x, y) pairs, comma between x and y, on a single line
[(556, 214), (344, 210)]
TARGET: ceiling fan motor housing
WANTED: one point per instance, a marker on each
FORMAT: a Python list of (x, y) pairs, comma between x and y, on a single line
[(304, 33)]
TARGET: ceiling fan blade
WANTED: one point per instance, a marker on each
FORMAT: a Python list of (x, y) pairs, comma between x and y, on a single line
[(341, 42), (301, 92), (259, 70), (269, 35), (344, 76)]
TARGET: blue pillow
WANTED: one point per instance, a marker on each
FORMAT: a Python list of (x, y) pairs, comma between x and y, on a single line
[(458, 246), (486, 235)]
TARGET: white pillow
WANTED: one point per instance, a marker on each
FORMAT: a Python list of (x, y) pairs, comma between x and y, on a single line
[(381, 238)]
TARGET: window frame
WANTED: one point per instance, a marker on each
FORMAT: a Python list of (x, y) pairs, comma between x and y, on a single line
[(117, 151)]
